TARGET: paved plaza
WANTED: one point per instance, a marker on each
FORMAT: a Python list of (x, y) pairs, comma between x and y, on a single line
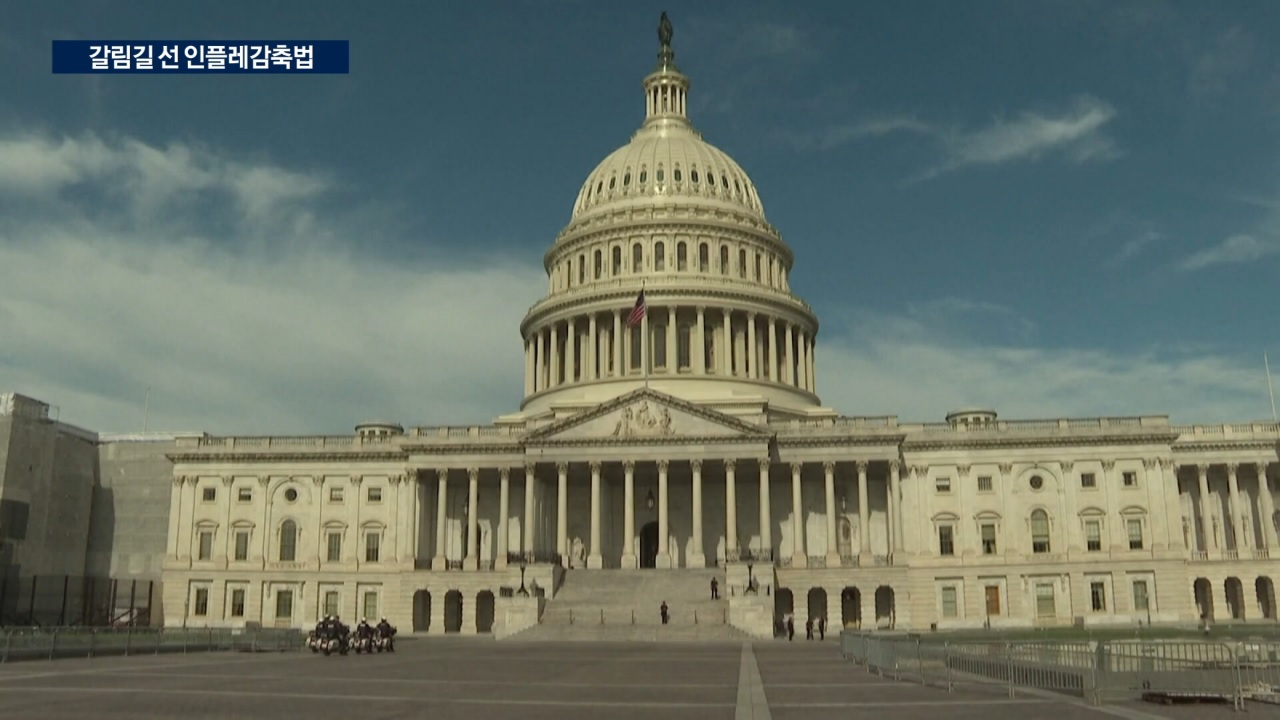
[(478, 679)]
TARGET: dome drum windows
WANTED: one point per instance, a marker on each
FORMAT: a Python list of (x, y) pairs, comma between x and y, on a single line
[(693, 176), (659, 257), (677, 176), (626, 179), (704, 258), (616, 262), (724, 260), (682, 257), (599, 264), (637, 258), (644, 176)]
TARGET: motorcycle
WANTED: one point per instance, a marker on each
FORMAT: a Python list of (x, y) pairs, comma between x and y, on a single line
[(384, 642), (363, 645)]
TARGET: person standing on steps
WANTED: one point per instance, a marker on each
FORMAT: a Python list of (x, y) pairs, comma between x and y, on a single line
[(665, 615), (791, 628), (808, 629), (822, 628), (715, 589)]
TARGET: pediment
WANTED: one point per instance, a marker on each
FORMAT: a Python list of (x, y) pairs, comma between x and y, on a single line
[(646, 416)]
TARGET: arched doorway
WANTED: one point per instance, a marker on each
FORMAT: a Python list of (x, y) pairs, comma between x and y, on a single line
[(649, 545), (453, 611), (885, 607), (784, 604), (1203, 592), (1266, 591), (421, 611), (1235, 598), (817, 603), (484, 611), (851, 607)]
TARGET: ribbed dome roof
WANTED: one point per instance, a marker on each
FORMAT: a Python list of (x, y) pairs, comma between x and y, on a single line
[(668, 161)]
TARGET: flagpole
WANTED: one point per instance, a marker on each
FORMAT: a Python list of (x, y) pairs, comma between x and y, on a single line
[(1270, 391)]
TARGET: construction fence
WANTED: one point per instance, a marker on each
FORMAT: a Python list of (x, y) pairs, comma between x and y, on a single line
[(54, 643), (1100, 672)]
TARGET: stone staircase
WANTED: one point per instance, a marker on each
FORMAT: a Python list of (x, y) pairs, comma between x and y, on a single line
[(623, 605)]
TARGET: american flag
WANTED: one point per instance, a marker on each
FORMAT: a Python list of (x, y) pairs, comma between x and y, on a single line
[(637, 312)]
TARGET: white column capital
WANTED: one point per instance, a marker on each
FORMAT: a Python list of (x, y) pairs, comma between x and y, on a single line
[(695, 465)]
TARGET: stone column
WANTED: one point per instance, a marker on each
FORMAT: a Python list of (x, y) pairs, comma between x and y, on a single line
[(594, 559), (789, 362), (766, 515), (438, 560), (753, 357), (562, 513), (555, 356), (731, 552), (697, 559), (864, 512), (833, 549), (617, 344), (726, 348), (673, 352), (175, 513), (773, 349), (528, 366), (1268, 508), (1168, 478), (802, 361), (540, 361), (571, 351), (812, 370), (798, 557), (629, 514), (473, 516), (529, 513), (700, 343), (664, 527), (1206, 520), (895, 508), (593, 343), (502, 547), (1233, 503)]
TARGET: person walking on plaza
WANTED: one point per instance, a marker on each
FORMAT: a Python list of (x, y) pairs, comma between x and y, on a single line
[(808, 629), (665, 615), (715, 589), (822, 628), (791, 628)]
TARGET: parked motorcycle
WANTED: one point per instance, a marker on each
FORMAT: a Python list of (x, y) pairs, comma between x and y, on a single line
[(384, 640), (363, 645)]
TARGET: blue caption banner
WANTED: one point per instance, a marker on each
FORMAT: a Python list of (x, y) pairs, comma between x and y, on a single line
[(246, 57)]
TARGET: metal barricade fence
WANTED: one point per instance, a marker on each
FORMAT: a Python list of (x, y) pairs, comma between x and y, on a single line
[(1097, 671), (52, 643)]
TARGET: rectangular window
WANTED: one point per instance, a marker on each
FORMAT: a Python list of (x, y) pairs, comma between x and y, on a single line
[(946, 540), (1045, 601), (993, 600), (331, 602), (206, 546), (1093, 535), (335, 494), (949, 607), (1088, 480), (1098, 596), (335, 547), (375, 495), (209, 494), (237, 603), (1141, 601), (636, 349), (943, 484), (242, 545), (1135, 534), (244, 494), (371, 606), (1130, 478), (683, 352), (988, 539), (284, 604), (201, 607), (371, 542), (984, 483), (658, 345)]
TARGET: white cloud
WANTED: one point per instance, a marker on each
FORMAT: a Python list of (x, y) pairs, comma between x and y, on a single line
[(1132, 247), (1235, 249), (239, 337)]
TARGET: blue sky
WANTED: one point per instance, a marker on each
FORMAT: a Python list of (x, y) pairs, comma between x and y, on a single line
[(1051, 208)]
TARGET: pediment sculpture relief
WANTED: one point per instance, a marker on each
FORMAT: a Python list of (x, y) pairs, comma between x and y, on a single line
[(640, 421)]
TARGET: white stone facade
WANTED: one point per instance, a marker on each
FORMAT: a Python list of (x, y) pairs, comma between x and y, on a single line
[(697, 439)]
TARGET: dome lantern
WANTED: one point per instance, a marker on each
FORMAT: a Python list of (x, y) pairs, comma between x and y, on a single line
[(666, 89)]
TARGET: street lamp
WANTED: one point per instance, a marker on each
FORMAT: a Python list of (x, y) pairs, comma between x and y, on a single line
[(524, 592)]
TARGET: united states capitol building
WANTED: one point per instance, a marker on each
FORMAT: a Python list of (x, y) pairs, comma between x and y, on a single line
[(658, 448)]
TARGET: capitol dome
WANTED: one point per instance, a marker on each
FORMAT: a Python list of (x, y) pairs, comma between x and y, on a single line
[(670, 222)]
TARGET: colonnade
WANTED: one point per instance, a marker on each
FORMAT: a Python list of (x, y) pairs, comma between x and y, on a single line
[(1241, 538), (665, 559), (694, 340)]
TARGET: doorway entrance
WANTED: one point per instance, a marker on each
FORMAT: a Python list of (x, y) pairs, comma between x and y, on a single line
[(649, 545)]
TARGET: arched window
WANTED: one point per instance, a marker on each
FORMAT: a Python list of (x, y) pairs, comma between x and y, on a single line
[(659, 257), (758, 273), (742, 264), (704, 258), (711, 179), (682, 257), (693, 176), (582, 269), (626, 179), (616, 264), (288, 541), (644, 175), (662, 175), (613, 181), (724, 260), (1040, 532), (677, 174), (599, 264), (637, 258)]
